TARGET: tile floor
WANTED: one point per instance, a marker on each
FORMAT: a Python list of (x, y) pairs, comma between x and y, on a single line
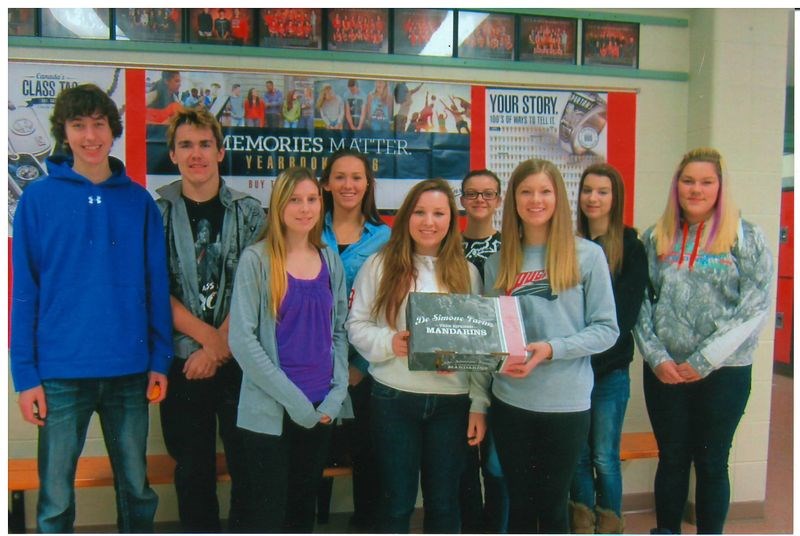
[(778, 510)]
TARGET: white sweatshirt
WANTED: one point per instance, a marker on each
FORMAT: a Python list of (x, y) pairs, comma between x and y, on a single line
[(372, 337)]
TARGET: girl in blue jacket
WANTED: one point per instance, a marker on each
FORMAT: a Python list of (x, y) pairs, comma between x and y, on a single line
[(354, 229)]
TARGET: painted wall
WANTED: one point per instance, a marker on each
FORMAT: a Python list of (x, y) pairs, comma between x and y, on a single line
[(736, 60)]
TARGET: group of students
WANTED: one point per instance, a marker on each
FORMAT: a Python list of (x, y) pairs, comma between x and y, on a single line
[(273, 321)]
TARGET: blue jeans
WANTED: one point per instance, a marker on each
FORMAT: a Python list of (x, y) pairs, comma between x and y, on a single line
[(122, 406), (599, 466), (695, 423), (416, 433)]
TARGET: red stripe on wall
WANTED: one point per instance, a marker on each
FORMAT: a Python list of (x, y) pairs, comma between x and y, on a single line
[(622, 144), (10, 285), (135, 126), (477, 141)]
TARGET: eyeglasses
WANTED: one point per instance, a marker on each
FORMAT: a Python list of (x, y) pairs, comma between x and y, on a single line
[(487, 195)]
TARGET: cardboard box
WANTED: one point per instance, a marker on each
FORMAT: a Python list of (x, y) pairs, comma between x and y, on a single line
[(464, 332)]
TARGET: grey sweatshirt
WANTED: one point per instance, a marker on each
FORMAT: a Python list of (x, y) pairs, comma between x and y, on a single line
[(266, 389), (577, 323), (706, 309)]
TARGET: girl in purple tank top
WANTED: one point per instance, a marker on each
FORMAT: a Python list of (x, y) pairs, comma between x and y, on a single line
[(290, 305)]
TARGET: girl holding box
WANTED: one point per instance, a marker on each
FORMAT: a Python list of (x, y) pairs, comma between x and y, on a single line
[(540, 408), (421, 421)]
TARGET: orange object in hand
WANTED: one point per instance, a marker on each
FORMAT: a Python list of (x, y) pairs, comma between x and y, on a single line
[(155, 392)]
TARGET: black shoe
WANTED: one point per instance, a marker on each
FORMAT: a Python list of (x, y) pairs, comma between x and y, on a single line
[(361, 525)]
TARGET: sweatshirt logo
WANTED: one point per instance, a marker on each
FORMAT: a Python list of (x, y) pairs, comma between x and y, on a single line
[(533, 284), (95, 200)]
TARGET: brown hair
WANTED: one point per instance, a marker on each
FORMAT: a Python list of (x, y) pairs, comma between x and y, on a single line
[(85, 100), (452, 270), (611, 241), (196, 117)]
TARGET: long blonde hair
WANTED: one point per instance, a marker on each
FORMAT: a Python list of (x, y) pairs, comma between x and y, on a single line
[(720, 236), (611, 241), (275, 231), (397, 279), (561, 259)]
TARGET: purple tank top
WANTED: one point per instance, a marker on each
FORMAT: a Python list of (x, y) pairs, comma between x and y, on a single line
[(305, 341)]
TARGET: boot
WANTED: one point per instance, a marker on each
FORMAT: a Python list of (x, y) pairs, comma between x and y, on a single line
[(581, 518), (608, 522)]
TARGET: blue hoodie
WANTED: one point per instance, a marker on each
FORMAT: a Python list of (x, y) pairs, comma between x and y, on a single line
[(90, 288), (372, 239)]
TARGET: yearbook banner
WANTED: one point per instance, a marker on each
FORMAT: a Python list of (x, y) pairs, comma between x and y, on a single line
[(408, 130)]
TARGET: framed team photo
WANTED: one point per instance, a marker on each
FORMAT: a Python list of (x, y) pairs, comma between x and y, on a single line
[(221, 25), (149, 24), (291, 28), (427, 32), (358, 30), (611, 43), (548, 39), (21, 21), (485, 35)]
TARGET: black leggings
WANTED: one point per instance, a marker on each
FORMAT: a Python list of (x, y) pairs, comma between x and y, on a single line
[(695, 423), (539, 453)]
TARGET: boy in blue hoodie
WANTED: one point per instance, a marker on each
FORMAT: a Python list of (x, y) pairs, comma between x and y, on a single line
[(90, 315)]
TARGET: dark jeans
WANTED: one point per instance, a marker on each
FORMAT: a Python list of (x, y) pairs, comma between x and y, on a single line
[(695, 422), (487, 513), (121, 404), (284, 476), (366, 485), (470, 497), (189, 418), (539, 453), (416, 433)]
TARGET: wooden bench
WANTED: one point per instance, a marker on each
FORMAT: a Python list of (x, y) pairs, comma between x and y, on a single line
[(638, 445), (95, 471)]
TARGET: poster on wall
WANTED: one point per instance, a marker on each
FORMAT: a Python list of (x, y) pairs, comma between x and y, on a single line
[(32, 91), (566, 127), (408, 130)]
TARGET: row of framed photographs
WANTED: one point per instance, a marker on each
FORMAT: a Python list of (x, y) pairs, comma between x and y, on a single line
[(422, 32)]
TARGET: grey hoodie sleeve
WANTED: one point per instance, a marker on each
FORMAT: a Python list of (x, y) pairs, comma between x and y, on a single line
[(652, 349), (754, 261), (600, 314), (249, 289), (478, 381)]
